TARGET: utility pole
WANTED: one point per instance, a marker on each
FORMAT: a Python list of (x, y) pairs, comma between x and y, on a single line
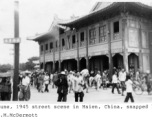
[(16, 51), (16, 41)]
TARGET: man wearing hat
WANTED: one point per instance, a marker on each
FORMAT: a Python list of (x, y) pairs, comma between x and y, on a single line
[(62, 85)]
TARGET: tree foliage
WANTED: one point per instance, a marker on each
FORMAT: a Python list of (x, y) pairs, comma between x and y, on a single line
[(29, 65), (5, 67)]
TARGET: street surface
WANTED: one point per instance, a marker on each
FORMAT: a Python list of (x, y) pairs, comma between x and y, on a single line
[(101, 96)]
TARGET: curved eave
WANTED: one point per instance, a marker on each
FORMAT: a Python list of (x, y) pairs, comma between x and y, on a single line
[(41, 37), (90, 15), (111, 7)]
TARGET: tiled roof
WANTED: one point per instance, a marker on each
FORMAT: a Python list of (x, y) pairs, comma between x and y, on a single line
[(104, 7)]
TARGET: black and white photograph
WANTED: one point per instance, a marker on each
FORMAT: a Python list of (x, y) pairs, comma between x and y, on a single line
[(76, 51)]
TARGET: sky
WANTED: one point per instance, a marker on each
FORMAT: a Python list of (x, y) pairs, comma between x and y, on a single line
[(35, 17)]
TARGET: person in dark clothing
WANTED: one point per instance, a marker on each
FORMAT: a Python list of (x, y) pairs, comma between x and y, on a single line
[(6, 90), (62, 85)]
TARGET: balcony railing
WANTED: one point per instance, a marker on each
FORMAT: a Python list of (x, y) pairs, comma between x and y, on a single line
[(116, 36), (102, 39), (82, 43), (92, 41), (74, 45), (56, 49), (51, 50), (63, 48)]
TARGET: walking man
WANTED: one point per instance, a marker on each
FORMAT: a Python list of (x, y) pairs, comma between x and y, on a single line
[(46, 82), (78, 87), (26, 87), (62, 85), (129, 90), (122, 78), (114, 82), (97, 79)]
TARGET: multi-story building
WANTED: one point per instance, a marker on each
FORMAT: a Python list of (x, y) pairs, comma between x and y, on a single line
[(111, 35)]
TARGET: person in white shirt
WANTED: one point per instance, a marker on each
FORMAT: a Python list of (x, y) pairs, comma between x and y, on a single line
[(114, 82), (85, 75), (78, 87), (122, 78), (129, 89), (26, 87), (51, 79), (97, 79), (46, 82), (70, 78)]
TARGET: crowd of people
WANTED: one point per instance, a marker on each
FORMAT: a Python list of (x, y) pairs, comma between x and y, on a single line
[(5, 88), (77, 83)]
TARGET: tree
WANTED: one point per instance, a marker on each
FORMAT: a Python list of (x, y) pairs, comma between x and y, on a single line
[(33, 59), (29, 65), (5, 67)]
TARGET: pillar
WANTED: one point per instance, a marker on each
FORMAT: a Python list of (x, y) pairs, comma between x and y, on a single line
[(53, 56), (109, 36), (87, 58), (59, 55), (44, 57), (78, 62), (150, 50), (124, 42), (140, 48)]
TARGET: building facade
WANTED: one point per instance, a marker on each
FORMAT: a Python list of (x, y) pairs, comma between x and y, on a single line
[(114, 34)]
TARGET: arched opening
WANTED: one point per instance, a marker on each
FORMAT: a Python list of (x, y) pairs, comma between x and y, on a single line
[(100, 63), (49, 67), (118, 61), (56, 66), (70, 64), (133, 62)]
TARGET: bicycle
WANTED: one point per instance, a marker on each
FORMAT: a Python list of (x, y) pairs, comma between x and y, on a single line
[(140, 87)]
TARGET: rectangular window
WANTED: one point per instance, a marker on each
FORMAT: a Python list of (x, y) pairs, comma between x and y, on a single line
[(102, 33), (63, 44), (42, 48), (46, 47), (56, 44), (68, 42), (116, 30), (51, 47), (82, 39), (73, 42), (92, 35)]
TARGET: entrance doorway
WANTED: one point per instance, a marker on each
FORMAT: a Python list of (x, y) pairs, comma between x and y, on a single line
[(118, 61), (82, 64), (133, 62)]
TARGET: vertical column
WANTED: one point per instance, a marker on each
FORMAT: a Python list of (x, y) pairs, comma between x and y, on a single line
[(16, 51), (59, 55), (140, 48), (54, 55), (44, 57), (124, 43), (150, 50), (87, 58), (39, 54), (78, 62), (109, 35)]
